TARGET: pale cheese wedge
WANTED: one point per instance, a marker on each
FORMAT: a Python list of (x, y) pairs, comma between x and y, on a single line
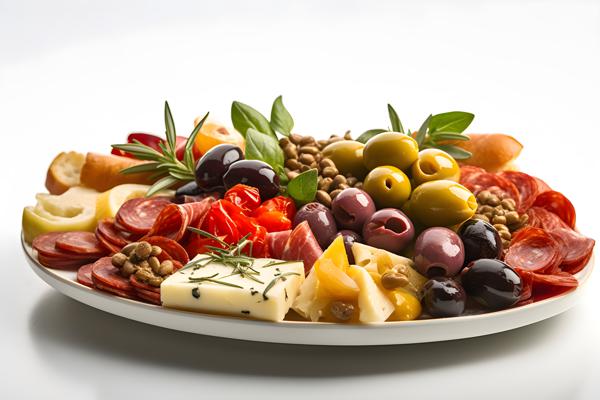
[(373, 304)]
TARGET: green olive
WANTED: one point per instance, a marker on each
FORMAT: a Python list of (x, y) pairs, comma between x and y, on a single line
[(390, 148), (347, 156), (433, 165), (388, 186), (441, 203)]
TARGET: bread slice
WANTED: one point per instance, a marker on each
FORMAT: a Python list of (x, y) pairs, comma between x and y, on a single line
[(492, 151), (103, 172), (64, 172)]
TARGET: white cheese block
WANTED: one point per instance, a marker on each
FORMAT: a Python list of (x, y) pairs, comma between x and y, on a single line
[(270, 299)]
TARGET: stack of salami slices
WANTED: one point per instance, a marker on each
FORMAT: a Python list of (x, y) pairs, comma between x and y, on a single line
[(548, 251), (67, 250)]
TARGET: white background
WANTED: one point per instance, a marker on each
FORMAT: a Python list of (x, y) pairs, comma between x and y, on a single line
[(80, 75)]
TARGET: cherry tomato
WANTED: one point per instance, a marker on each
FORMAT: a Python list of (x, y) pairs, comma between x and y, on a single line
[(247, 198), (152, 141), (283, 204)]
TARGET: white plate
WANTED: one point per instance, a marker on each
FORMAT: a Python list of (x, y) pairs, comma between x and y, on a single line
[(313, 333)]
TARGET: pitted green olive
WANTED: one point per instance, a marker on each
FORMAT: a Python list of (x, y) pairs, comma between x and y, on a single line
[(347, 156), (441, 203), (433, 165), (390, 148), (388, 186)]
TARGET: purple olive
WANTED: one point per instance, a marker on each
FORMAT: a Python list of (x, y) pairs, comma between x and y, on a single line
[(350, 237), (439, 252), (351, 208), (389, 229), (320, 220)]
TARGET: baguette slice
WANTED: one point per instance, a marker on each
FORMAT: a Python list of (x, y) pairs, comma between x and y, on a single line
[(64, 172), (102, 172), (491, 151)]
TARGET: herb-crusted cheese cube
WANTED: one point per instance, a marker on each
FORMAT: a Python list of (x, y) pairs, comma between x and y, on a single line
[(266, 291)]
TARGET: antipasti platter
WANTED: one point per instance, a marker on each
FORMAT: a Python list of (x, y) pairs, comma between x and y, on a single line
[(259, 233)]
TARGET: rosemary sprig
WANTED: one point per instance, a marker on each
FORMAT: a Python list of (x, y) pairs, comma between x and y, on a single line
[(169, 170), (281, 277), (213, 280)]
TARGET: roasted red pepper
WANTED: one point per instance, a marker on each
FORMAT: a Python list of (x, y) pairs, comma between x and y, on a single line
[(276, 214), (152, 141), (247, 198)]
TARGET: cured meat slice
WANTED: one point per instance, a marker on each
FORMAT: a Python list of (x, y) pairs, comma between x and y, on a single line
[(107, 275), (173, 249), (277, 241), (533, 249), (84, 275), (121, 293), (141, 285), (495, 183), (63, 263), (545, 286), (109, 231), (469, 173), (80, 243), (174, 219), (542, 186), (526, 185), (45, 245), (108, 245), (577, 249), (138, 215), (150, 297), (302, 246), (557, 203), (542, 218)]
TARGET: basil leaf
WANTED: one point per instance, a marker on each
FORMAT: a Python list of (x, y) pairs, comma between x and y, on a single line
[(395, 120), (365, 136), (422, 133), (264, 148), (303, 187), (455, 151), (245, 117), (281, 119), (454, 121), (437, 136)]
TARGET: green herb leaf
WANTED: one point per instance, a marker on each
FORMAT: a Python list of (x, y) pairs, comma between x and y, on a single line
[(281, 119), (188, 155), (303, 187), (394, 119), (455, 151), (365, 136), (136, 169), (163, 183), (454, 121), (422, 133), (437, 136), (245, 117), (264, 148), (170, 127)]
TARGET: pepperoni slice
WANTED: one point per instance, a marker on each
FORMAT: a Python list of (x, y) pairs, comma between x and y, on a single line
[(108, 245), (469, 172), (80, 243), (542, 218), (106, 274), (141, 285), (494, 183), (84, 275), (138, 215), (557, 203), (109, 231), (526, 185), (63, 263), (577, 249), (171, 247), (121, 293), (533, 249), (45, 245), (542, 186), (545, 286), (173, 220), (150, 297)]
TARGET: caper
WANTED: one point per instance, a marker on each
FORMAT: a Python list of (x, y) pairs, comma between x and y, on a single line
[(128, 269), (154, 264), (499, 219)]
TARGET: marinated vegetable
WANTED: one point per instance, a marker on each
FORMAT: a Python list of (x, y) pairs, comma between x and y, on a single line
[(439, 252), (390, 148), (389, 229), (388, 186)]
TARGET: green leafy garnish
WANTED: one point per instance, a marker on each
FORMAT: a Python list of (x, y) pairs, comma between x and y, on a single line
[(303, 187), (395, 120), (454, 121), (245, 117), (365, 136), (166, 167), (281, 119), (264, 148)]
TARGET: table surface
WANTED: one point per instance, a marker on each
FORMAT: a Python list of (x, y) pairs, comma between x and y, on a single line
[(78, 76)]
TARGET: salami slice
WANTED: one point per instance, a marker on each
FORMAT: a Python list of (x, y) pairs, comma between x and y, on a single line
[(150, 297), (171, 247), (80, 243), (495, 184), (84, 275), (108, 245), (542, 186), (533, 249), (141, 285), (138, 215), (577, 249), (545, 286), (63, 263), (468, 173), (542, 218), (45, 245), (107, 275), (526, 185), (109, 231), (121, 293), (174, 219), (557, 203)]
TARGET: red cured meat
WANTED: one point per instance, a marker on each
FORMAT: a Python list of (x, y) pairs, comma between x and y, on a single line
[(469, 173), (52, 257), (138, 215), (109, 231), (577, 249), (141, 285), (533, 249), (80, 243), (542, 186), (277, 241), (110, 247), (495, 183), (549, 285), (557, 203), (302, 246), (542, 218), (84, 275), (106, 274), (150, 297), (171, 247), (121, 293), (174, 219), (526, 185)]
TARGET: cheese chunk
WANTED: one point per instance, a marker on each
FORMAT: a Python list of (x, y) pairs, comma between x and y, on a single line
[(215, 288)]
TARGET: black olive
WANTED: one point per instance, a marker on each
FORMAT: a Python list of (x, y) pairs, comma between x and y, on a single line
[(189, 189), (211, 167), (443, 297), (480, 239), (492, 283), (253, 173)]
